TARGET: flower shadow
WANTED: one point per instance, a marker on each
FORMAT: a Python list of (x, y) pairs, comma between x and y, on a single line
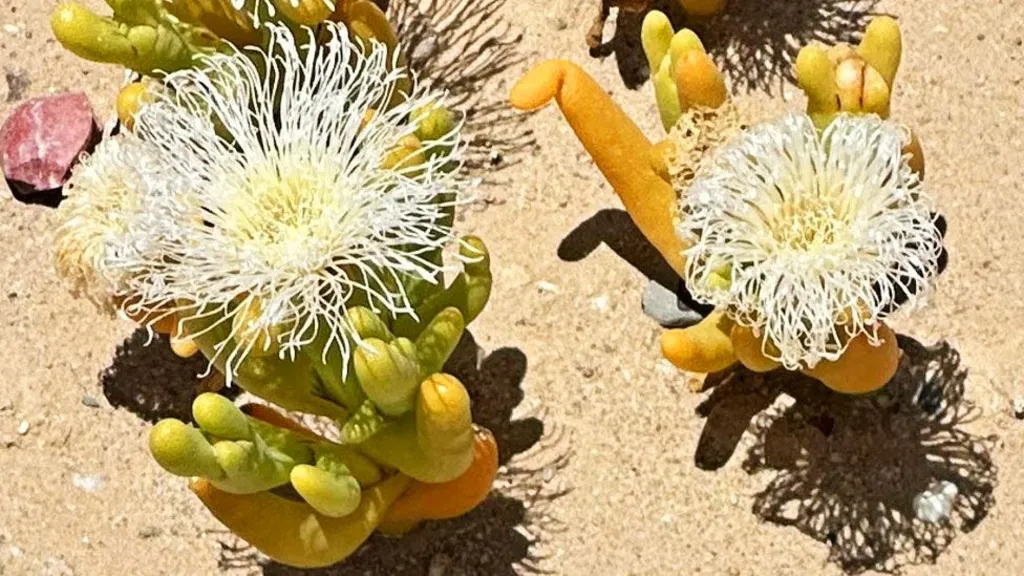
[(755, 42), (845, 470), (148, 379), (460, 46), (498, 536)]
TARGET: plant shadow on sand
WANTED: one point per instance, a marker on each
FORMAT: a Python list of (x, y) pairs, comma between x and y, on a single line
[(149, 380), (754, 42), (496, 538), (460, 47), (624, 42), (844, 470), (615, 229)]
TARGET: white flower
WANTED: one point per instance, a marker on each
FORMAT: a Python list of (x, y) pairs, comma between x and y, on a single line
[(809, 237), (107, 196), (288, 212)]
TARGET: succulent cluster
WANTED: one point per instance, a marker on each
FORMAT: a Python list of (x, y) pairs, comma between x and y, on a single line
[(280, 197), (805, 233)]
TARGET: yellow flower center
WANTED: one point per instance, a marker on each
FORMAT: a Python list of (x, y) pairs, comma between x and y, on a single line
[(806, 223), (282, 209)]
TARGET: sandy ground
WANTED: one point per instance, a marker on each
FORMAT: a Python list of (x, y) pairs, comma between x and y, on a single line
[(612, 465)]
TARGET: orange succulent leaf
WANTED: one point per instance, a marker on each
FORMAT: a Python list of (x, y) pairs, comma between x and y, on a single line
[(451, 499), (616, 144)]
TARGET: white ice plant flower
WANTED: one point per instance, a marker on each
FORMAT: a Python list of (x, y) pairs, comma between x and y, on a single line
[(290, 212), (810, 237), (109, 193)]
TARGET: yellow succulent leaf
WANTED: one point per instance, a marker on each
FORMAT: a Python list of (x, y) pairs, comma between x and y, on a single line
[(705, 347), (749, 350), (304, 12), (656, 37), (129, 101), (863, 367), (699, 82), (217, 16), (816, 76), (291, 532), (882, 47), (683, 42), (666, 95)]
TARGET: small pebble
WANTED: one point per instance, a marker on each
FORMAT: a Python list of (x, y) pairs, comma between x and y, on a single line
[(662, 305), (1018, 408), (666, 368), (17, 84), (23, 427), (7, 442), (559, 23), (601, 303), (549, 474), (90, 401), (11, 29), (439, 565), (87, 482), (149, 532), (425, 49), (548, 287), (935, 504), (15, 552)]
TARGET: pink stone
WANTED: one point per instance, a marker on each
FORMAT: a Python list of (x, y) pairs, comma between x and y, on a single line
[(43, 139)]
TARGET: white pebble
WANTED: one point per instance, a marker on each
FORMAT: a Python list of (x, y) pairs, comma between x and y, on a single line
[(23, 427), (935, 504), (601, 303), (11, 29), (87, 482), (666, 368), (548, 287), (16, 552)]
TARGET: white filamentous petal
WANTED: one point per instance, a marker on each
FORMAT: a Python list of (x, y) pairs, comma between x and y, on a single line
[(286, 199), (112, 191), (818, 233)]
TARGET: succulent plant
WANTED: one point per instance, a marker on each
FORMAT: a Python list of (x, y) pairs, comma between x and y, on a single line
[(805, 233), (284, 208), (157, 37)]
